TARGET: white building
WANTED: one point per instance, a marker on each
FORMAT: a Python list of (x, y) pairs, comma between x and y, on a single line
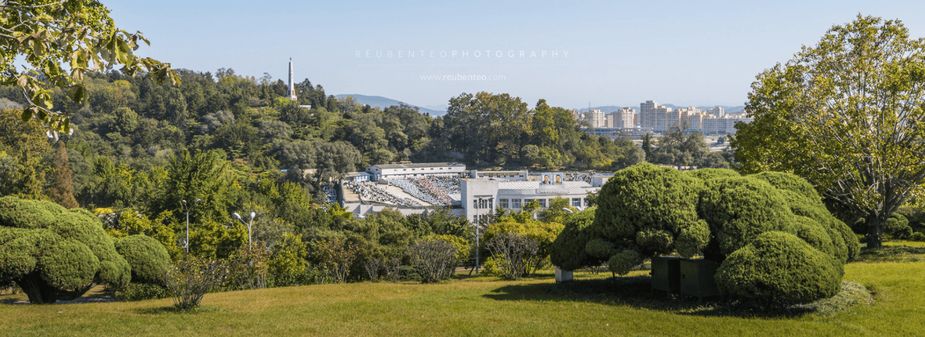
[(625, 118), (481, 197), (596, 119), (416, 170)]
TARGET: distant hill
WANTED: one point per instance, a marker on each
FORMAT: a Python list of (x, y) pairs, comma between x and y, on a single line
[(384, 102)]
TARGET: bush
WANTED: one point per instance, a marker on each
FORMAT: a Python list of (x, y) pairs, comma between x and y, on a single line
[(712, 173), (516, 253), (917, 236), (542, 233), (462, 246), (190, 279), (141, 291), (740, 209), (623, 262), (288, 263), (54, 253), (897, 227), (648, 198), (147, 257), (779, 269), (568, 250), (247, 268), (433, 260), (790, 182), (492, 266)]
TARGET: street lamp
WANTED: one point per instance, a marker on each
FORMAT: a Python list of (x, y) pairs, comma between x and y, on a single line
[(249, 224), (186, 208)]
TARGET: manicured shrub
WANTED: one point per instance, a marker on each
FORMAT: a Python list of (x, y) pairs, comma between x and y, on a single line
[(740, 209), (917, 236), (790, 182), (568, 250), (646, 211), (44, 249), (897, 227), (623, 262), (779, 269), (148, 258), (712, 173), (644, 198)]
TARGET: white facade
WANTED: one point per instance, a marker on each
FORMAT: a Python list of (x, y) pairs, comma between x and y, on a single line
[(413, 170), (481, 198)]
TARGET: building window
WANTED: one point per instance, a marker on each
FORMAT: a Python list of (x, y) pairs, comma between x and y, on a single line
[(576, 202), (542, 203), (515, 203), (503, 203)]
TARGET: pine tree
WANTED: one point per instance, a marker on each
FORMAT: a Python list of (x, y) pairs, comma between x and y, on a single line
[(61, 189)]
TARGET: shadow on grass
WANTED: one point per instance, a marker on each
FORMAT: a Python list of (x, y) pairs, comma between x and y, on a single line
[(892, 254), (634, 292), (173, 310)]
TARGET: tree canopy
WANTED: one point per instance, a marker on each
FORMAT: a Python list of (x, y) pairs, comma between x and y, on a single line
[(847, 114)]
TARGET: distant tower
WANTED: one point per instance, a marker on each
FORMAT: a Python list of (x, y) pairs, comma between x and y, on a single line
[(292, 94)]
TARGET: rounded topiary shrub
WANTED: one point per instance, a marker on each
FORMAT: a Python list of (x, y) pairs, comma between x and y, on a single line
[(739, 209), (148, 258), (49, 251), (790, 182), (568, 250), (713, 173), (779, 269), (652, 200)]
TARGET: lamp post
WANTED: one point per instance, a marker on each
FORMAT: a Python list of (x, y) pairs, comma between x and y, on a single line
[(250, 225), (186, 208)]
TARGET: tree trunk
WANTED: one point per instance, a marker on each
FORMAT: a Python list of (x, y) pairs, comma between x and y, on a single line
[(874, 236), (36, 289)]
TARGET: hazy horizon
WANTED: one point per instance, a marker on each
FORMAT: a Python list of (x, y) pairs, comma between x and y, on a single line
[(591, 53)]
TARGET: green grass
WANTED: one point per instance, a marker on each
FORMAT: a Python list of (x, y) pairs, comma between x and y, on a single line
[(477, 307)]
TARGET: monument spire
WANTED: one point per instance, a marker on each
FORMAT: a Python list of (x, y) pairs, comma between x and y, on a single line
[(292, 94)]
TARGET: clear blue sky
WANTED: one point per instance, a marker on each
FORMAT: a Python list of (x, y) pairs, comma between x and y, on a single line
[(609, 52)]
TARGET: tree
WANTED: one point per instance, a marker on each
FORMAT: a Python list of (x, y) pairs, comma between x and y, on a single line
[(60, 41), (54, 253), (62, 181), (22, 150), (847, 115)]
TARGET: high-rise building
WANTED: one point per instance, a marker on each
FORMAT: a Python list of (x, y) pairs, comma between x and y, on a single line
[(625, 118), (656, 117), (292, 94), (596, 119)]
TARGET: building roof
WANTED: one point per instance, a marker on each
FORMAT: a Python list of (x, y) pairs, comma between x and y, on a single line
[(416, 165)]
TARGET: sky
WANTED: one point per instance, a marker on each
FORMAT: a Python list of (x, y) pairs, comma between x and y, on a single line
[(571, 53)]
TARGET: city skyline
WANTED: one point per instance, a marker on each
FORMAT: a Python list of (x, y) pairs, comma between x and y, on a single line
[(700, 54)]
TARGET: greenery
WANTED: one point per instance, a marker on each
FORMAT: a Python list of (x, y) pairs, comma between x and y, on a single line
[(532, 306), (646, 211), (190, 278), (147, 257), (860, 142), (433, 259), (53, 253), (59, 42), (779, 269)]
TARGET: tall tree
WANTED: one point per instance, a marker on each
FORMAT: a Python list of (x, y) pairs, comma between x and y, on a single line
[(847, 114), (61, 188), (58, 41)]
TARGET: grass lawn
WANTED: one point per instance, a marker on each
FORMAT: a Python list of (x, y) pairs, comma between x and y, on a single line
[(477, 307)]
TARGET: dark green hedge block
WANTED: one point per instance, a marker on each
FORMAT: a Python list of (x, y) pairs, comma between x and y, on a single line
[(697, 278), (666, 274)]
